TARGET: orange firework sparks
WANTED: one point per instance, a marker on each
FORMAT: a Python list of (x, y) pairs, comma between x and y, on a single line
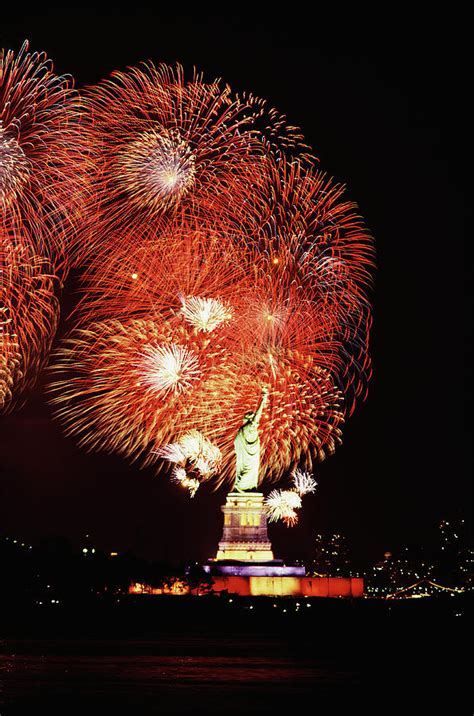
[(184, 268), (144, 383), (313, 238), (28, 319), (43, 156), (204, 379)]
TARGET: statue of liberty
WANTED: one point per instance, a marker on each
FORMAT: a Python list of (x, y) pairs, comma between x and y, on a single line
[(247, 448)]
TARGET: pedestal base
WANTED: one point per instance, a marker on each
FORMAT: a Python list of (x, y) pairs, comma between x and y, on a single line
[(245, 537), (245, 563)]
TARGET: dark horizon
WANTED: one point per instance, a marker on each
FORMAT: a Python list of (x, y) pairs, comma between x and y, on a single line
[(384, 114)]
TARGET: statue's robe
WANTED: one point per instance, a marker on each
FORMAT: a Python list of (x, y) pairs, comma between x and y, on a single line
[(247, 450)]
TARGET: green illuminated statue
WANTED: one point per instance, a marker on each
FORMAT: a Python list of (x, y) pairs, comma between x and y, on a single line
[(247, 448)]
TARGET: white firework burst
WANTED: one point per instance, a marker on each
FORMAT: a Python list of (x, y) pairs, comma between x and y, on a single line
[(205, 314), (282, 505), (203, 467), (172, 452), (193, 452), (273, 316), (330, 273), (169, 367), (157, 169), (14, 168), (201, 453), (192, 484), (304, 482), (180, 476)]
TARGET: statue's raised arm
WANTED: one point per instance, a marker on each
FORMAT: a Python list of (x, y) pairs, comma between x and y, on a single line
[(259, 411)]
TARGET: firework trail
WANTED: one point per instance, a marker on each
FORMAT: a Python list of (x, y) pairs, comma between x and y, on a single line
[(185, 270)]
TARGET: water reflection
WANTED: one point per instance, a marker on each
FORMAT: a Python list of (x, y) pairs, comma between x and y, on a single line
[(172, 676)]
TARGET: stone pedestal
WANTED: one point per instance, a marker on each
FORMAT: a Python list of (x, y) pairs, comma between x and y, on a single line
[(245, 537)]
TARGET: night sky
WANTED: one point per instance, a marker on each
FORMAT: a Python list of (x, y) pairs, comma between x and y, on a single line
[(384, 107)]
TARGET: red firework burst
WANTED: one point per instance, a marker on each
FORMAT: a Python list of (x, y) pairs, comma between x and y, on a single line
[(43, 184), (313, 237), (167, 145)]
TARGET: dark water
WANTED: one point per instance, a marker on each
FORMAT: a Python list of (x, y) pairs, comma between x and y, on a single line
[(173, 675), (244, 657)]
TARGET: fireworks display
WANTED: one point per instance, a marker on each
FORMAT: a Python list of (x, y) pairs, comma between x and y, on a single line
[(284, 504), (43, 186), (156, 169), (218, 260), (156, 402)]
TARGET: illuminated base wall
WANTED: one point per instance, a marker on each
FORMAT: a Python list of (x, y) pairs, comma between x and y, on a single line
[(290, 586), (269, 587)]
